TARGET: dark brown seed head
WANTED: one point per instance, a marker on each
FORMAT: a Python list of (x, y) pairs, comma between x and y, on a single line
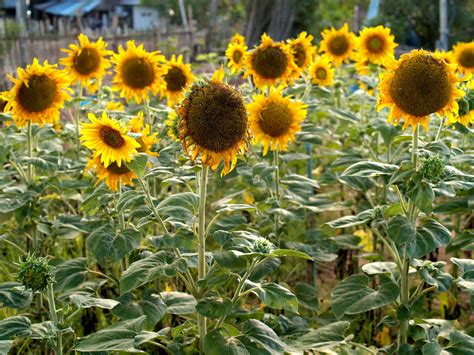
[(269, 62), (111, 137), (119, 170), (137, 73), (38, 95), (338, 45), (215, 116), (275, 119), (175, 79), (299, 54), (420, 85), (87, 61)]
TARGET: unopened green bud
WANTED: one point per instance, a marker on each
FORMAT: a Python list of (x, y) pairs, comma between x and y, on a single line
[(35, 273), (432, 169), (263, 246)]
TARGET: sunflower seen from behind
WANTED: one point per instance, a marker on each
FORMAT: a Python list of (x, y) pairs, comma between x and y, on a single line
[(235, 54), (177, 77), (38, 94), (138, 72), (463, 55), (109, 140), (302, 50), (270, 64), (237, 38), (416, 86), (113, 175), (87, 61), (274, 119), (321, 71), (376, 45), (146, 138), (338, 45), (212, 122)]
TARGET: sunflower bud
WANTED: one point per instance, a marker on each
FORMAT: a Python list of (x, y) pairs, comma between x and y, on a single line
[(35, 273), (263, 246), (432, 169)]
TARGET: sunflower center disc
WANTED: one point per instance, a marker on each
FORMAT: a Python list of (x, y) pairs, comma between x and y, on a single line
[(111, 137), (375, 44), (275, 119), (299, 54), (338, 45), (466, 58), (216, 117), (237, 56), (321, 73), (119, 170), (270, 62), (175, 79), (137, 73), (421, 85), (38, 95), (87, 62), (2, 105)]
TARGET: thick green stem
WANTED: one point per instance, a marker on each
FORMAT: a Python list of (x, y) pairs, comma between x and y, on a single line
[(29, 140), (440, 128), (276, 163), (77, 120), (412, 215), (202, 322), (58, 348)]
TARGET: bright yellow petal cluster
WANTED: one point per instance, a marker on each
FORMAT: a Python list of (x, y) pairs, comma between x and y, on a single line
[(418, 85), (270, 64), (113, 175), (146, 140), (138, 72), (177, 78), (338, 45), (322, 71), (274, 119), (302, 50), (87, 61), (237, 38), (376, 45), (38, 94), (109, 140), (463, 55), (235, 54)]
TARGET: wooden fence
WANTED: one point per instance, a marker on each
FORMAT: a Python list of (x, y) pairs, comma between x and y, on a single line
[(20, 51)]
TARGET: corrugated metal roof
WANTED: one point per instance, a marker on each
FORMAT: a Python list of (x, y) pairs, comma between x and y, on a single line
[(72, 8), (8, 4)]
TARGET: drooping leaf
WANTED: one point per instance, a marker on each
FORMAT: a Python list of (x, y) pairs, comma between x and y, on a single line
[(353, 296), (178, 302), (14, 326), (145, 270), (273, 295), (400, 230), (430, 234), (13, 295), (70, 274), (87, 301)]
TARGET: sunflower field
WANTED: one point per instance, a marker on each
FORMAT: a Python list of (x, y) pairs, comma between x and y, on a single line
[(294, 198)]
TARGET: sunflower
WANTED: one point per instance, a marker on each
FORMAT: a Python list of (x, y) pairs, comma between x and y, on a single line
[(146, 140), (3, 102), (38, 94), (235, 54), (416, 86), (115, 106), (87, 61), (464, 119), (463, 56), (274, 119), (177, 77), (237, 38), (113, 175), (302, 50), (213, 122), (172, 123), (321, 71), (376, 45), (338, 45), (137, 72), (270, 63), (109, 139), (446, 56)]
